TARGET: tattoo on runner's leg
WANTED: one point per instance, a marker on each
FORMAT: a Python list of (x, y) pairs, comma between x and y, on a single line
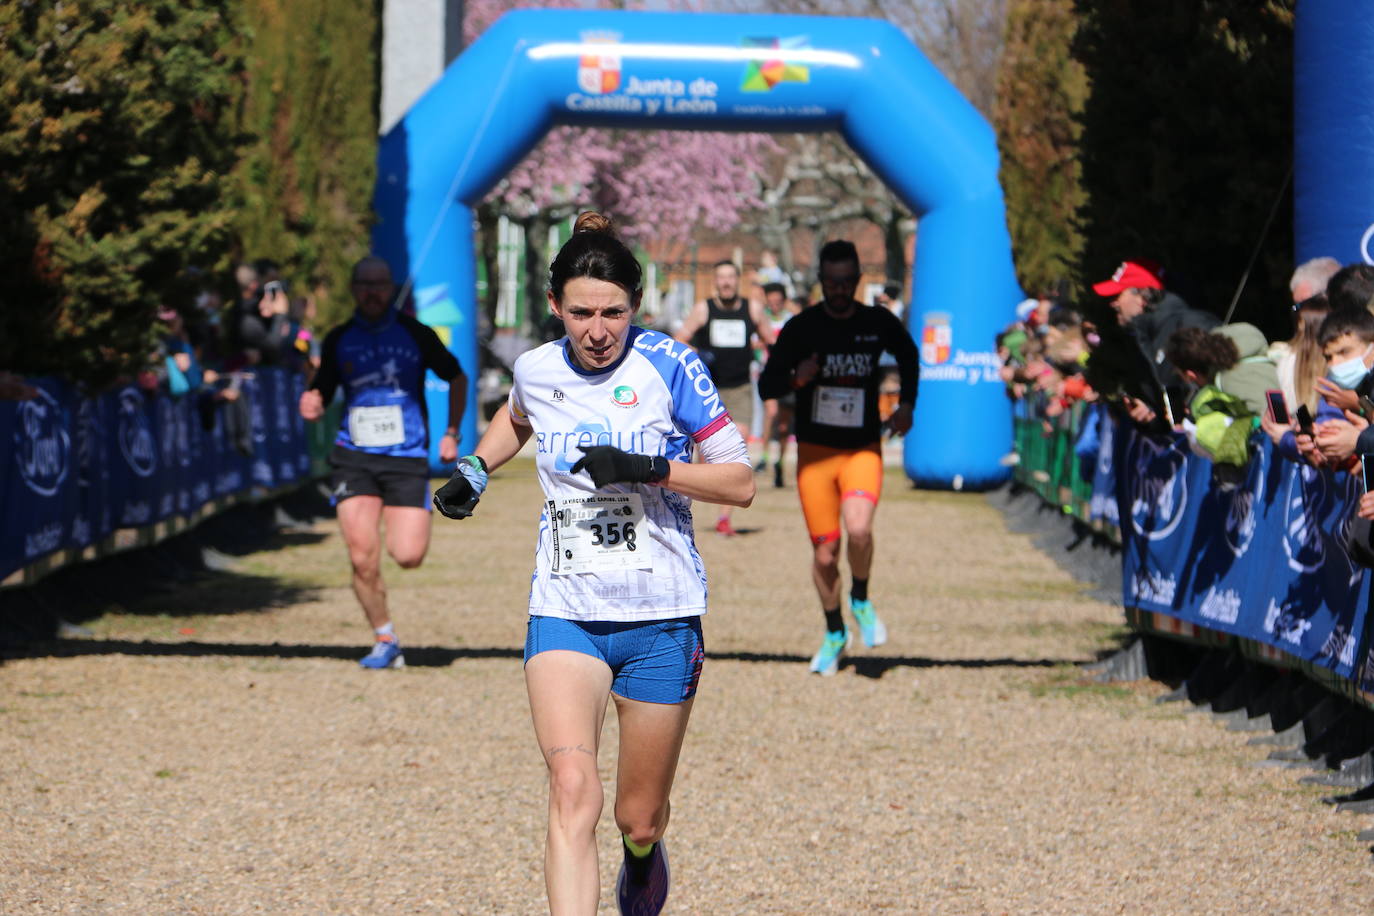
[(567, 748)]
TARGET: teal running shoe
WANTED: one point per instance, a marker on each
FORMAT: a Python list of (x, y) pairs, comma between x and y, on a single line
[(827, 661), (871, 629)]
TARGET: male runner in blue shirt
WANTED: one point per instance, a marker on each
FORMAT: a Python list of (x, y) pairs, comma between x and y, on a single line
[(381, 455)]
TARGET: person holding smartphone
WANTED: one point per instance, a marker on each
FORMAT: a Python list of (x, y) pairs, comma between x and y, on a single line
[(262, 329), (1346, 410), (1341, 427), (1150, 315)]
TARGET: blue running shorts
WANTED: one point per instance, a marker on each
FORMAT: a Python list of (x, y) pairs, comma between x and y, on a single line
[(657, 661)]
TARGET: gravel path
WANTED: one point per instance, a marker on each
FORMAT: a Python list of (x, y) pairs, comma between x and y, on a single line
[(217, 750)]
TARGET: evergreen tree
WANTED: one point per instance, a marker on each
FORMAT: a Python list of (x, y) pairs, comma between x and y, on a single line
[(1041, 90), (306, 179), (1187, 143), (114, 148)]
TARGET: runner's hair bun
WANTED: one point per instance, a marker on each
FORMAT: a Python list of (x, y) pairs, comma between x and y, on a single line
[(591, 221), (595, 252)]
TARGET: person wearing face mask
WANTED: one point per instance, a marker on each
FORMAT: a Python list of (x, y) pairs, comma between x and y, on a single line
[(1344, 414), (380, 458), (828, 355), (616, 413), (1346, 339)]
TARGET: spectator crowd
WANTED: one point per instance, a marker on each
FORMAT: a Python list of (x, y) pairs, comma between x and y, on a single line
[(1167, 368), (207, 350)]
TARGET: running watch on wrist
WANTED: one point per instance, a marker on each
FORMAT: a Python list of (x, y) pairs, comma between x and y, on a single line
[(658, 469)]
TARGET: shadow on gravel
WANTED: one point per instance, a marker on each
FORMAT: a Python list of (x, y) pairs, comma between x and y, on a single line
[(193, 573), (215, 594), (416, 657), (440, 657), (284, 539), (36, 616), (876, 667)]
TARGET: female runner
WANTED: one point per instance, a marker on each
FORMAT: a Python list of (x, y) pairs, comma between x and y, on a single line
[(616, 412)]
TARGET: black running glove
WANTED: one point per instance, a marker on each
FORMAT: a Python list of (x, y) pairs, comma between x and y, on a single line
[(459, 496), (607, 465)]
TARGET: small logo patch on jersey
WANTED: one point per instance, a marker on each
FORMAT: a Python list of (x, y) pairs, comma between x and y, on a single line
[(624, 396), (557, 395)]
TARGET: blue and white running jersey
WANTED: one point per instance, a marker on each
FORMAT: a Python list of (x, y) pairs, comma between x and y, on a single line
[(657, 399), (381, 367)]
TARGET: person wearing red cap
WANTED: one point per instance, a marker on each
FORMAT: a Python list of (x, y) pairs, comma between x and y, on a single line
[(1150, 314), (1126, 288)]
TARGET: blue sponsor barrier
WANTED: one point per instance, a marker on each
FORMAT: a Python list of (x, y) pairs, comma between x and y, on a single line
[(86, 475), (862, 78), (1264, 562)]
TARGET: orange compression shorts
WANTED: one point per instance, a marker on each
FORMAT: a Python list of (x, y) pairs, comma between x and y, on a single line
[(826, 477)]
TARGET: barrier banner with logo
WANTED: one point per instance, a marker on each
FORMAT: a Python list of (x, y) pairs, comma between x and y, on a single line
[(1264, 560), (78, 468), (1103, 506)]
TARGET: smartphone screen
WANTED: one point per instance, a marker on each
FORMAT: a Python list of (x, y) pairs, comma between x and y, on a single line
[(1304, 419), (1278, 409), (1367, 471)]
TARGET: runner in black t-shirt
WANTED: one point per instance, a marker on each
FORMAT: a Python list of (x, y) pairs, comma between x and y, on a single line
[(829, 355)]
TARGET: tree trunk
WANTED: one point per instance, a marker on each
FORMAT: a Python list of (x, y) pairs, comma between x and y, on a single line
[(536, 274), (821, 235), (894, 247), (488, 249)]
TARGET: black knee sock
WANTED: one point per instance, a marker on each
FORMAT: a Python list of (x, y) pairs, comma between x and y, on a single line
[(637, 866), (859, 590), (833, 621)]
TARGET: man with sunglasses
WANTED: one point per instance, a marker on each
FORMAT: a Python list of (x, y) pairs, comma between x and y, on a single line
[(828, 355), (380, 458)]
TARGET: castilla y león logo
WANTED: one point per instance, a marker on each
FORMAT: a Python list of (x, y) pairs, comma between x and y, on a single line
[(598, 73), (624, 396), (937, 339)]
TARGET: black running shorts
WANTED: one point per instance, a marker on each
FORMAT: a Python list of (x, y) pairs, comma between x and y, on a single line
[(398, 481)]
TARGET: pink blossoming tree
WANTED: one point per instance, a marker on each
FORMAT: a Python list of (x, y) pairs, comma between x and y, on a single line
[(654, 184)]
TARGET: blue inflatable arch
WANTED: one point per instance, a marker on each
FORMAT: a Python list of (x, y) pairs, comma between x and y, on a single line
[(538, 68), (1333, 137)]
